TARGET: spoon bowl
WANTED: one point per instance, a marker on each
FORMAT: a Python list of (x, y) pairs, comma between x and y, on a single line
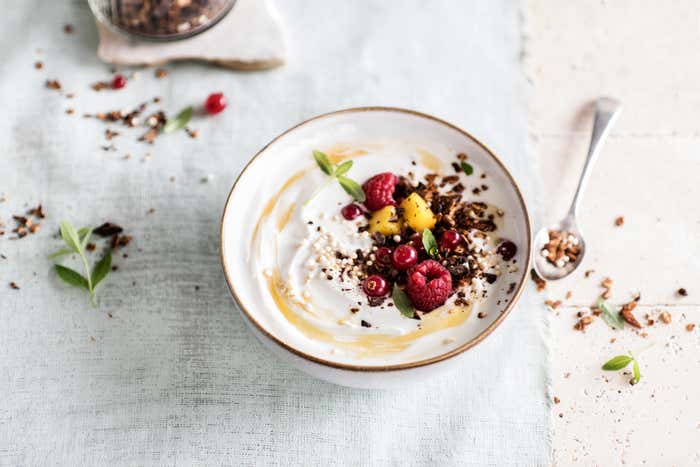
[(544, 268)]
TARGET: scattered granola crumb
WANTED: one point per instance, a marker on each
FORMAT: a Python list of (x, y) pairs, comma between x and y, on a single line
[(481, 315), (561, 249), (627, 314), (14, 286), (553, 304), (568, 294), (588, 273), (613, 339), (583, 322), (53, 84), (68, 28), (665, 317), (160, 73), (38, 65), (90, 247), (540, 283), (70, 110), (100, 85), (556, 400), (192, 133), (619, 221), (151, 211), (682, 292), (689, 327), (365, 324)]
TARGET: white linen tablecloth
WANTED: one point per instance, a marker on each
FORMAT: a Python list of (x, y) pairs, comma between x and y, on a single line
[(174, 377)]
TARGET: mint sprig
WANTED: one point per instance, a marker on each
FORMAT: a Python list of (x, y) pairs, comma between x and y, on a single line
[(77, 240), (430, 244), (619, 362), (337, 172)]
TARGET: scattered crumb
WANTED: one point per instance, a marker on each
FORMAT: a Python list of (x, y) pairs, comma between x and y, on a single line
[(53, 84), (619, 221), (160, 73), (38, 65), (553, 304), (70, 110), (665, 317), (682, 292), (540, 283), (556, 400), (567, 295), (14, 286), (68, 28), (689, 327), (588, 273), (481, 315), (90, 247)]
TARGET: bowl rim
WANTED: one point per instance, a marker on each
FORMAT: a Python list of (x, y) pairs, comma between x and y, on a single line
[(401, 366)]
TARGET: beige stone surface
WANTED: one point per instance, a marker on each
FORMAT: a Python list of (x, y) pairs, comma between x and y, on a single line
[(645, 54)]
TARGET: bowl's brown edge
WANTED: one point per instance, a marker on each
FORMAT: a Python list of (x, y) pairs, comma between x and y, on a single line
[(404, 366)]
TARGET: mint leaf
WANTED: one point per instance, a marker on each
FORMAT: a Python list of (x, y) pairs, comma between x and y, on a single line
[(102, 267), (430, 244), (70, 236), (61, 252), (323, 162), (617, 363), (610, 315), (179, 122), (402, 302), (467, 168), (71, 277), (343, 168), (352, 188)]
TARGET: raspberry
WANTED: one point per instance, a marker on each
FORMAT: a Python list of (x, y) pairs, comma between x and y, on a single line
[(379, 191), (428, 285)]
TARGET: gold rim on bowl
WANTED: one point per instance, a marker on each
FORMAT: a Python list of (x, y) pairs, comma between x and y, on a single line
[(403, 366)]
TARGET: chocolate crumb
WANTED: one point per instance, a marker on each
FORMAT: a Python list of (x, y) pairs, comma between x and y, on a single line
[(108, 229), (682, 292), (90, 247), (588, 273), (365, 324), (38, 65), (14, 286), (481, 315), (68, 28), (354, 310)]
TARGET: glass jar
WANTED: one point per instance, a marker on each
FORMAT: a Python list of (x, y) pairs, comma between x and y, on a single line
[(161, 20)]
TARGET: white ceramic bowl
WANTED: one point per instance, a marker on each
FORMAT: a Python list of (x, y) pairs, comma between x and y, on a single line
[(272, 166)]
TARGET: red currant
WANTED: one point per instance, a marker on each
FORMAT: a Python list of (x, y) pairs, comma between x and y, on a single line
[(215, 103), (383, 255), (450, 240), (351, 211), (404, 256), (118, 82), (375, 286)]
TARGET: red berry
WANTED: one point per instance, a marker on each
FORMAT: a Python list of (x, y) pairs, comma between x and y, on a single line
[(215, 103), (428, 285), (351, 211), (450, 240), (383, 255), (379, 191), (118, 82), (417, 242), (375, 286), (404, 256)]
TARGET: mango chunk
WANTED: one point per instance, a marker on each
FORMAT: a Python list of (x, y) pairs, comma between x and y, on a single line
[(417, 214), (385, 221)]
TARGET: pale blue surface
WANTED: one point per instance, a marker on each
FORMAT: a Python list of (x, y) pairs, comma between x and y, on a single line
[(174, 377)]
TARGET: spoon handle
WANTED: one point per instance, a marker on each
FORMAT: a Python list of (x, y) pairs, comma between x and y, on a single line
[(606, 112)]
